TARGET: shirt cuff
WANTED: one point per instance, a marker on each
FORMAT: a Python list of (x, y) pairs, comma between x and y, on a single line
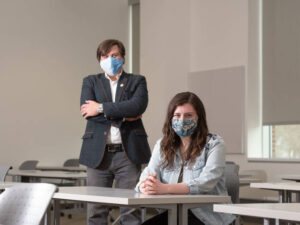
[(193, 189)]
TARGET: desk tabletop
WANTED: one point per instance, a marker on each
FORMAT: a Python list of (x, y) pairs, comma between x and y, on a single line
[(284, 211), (4, 185), (294, 177), (61, 168), (248, 180), (48, 174), (244, 175), (130, 197), (289, 186)]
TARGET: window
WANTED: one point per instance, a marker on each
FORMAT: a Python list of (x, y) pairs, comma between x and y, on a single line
[(281, 141), (280, 76)]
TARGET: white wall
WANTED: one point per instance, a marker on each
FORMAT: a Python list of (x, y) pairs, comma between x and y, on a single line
[(218, 46), (164, 57), (218, 35), (178, 37), (47, 47), (183, 37)]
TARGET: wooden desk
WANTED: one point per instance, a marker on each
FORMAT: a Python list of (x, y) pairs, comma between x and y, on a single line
[(285, 189), (130, 198), (280, 211)]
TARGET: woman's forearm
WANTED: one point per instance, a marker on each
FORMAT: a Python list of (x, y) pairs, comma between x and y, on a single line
[(180, 188)]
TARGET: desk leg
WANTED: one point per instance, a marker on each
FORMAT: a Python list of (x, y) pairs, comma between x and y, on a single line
[(266, 221), (77, 182), (297, 197), (47, 216), (25, 179), (15, 178), (281, 196), (143, 214), (172, 215), (172, 211), (183, 214), (288, 196), (289, 200), (56, 211)]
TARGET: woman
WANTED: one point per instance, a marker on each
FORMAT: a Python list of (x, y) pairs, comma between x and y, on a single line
[(187, 160)]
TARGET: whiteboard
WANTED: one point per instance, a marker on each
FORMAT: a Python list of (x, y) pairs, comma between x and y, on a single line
[(222, 92)]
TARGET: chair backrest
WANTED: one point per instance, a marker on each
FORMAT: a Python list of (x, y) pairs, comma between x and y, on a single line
[(25, 203), (71, 162), (3, 171), (259, 174), (232, 181), (28, 165)]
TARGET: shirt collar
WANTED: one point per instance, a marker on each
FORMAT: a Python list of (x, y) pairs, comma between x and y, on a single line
[(117, 76)]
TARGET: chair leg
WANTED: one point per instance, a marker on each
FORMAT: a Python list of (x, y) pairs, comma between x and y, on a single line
[(237, 221), (143, 214)]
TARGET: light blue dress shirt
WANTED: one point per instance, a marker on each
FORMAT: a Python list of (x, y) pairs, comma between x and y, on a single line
[(204, 176)]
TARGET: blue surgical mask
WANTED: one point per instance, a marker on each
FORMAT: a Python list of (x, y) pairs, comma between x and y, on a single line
[(111, 65), (184, 127)]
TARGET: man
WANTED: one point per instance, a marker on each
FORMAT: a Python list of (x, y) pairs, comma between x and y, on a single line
[(115, 142)]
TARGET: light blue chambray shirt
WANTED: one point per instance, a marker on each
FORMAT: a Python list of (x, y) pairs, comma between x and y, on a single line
[(204, 176)]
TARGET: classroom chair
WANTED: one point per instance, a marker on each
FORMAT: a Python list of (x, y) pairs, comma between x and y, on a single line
[(28, 165), (232, 184), (69, 206), (71, 163), (250, 195), (232, 181), (3, 172), (25, 203)]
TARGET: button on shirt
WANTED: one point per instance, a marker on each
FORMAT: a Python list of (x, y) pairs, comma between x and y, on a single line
[(114, 135)]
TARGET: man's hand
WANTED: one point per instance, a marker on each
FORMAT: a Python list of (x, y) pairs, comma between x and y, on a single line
[(89, 109), (133, 119)]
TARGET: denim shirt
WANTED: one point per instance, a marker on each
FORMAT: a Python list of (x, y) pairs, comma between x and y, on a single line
[(204, 176)]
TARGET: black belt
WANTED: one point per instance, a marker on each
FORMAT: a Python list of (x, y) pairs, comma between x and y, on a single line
[(114, 148)]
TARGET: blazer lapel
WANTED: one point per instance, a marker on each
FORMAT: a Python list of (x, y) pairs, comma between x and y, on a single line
[(122, 83), (105, 86)]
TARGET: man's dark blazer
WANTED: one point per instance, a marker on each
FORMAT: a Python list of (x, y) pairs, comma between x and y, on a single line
[(131, 101)]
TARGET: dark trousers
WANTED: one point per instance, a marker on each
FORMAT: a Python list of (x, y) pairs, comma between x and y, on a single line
[(162, 219), (114, 166)]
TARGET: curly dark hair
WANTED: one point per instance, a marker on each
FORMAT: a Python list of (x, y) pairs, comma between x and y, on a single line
[(171, 141)]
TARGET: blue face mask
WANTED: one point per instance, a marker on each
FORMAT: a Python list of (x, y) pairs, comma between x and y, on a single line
[(111, 65), (184, 127)]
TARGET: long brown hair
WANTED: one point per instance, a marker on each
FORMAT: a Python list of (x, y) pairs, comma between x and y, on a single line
[(171, 141)]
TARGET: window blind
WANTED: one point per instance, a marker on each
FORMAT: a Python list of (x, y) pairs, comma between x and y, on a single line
[(281, 62)]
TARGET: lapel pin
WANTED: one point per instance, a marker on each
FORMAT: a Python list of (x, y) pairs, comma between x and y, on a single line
[(121, 85)]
